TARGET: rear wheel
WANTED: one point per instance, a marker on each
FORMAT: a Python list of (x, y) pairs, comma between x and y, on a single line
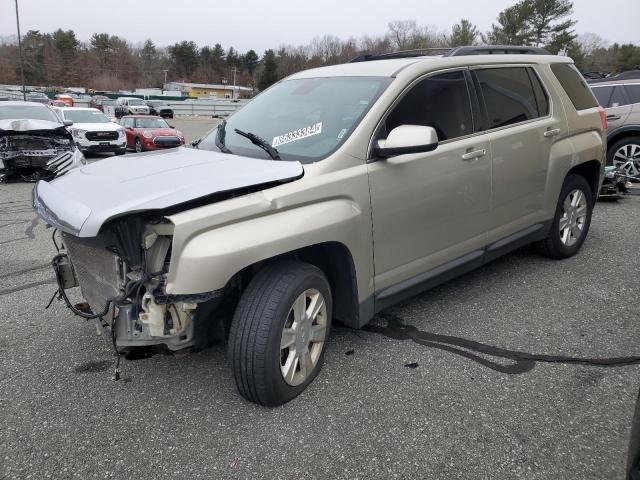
[(279, 330), (572, 219), (138, 145)]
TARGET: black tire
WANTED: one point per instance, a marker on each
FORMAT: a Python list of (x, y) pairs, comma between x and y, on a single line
[(121, 152), (552, 246), (138, 146), (633, 140), (256, 330)]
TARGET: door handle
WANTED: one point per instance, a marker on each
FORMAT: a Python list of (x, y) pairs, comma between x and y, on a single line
[(613, 117), (552, 133), (475, 154)]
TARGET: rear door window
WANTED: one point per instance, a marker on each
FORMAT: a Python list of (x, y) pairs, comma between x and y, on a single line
[(509, 95), (618, 98), (574, 84), (603, 94), (633, 90)]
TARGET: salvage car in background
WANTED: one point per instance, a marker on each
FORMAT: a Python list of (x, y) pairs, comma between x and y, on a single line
[(34, 143), (37, 97), (97, 102), (621, 101), (93, 131), (158, 107), (145, 132), (132, 106)]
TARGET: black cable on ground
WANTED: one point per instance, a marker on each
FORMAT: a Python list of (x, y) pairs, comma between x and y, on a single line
[(523, 361)]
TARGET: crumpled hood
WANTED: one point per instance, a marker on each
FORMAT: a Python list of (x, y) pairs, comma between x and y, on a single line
[(82, 200), (28, 125)]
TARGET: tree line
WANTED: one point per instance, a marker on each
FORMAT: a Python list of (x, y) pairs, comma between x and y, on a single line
[(109, 62)]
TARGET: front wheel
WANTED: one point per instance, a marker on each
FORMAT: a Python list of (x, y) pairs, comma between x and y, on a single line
[(138, 145), (625, 155), (571, 223), (278, 333)]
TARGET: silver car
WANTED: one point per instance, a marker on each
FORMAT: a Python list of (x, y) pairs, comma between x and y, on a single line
[(332, 195), (621, 100)]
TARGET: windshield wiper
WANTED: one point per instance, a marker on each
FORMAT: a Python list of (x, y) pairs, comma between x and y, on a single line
[(220, 137), (260, 142)]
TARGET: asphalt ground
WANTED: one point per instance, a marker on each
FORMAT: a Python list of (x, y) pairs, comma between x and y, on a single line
[(369, 414)]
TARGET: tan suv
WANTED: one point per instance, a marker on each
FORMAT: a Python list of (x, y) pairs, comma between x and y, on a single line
[(621, 100), (332, 195)]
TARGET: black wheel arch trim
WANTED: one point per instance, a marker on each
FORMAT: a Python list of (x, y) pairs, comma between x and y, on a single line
[(622, 130)]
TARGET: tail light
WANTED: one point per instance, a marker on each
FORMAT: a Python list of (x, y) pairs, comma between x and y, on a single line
[(603, 118)]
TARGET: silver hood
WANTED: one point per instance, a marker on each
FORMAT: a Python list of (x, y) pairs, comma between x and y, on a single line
[(82, 200)]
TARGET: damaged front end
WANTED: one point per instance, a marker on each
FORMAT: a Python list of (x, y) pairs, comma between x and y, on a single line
[(36, 150), (121, 274), (112, 218)]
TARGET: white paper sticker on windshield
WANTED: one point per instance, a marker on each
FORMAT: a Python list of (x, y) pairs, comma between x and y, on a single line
[(298, 134)]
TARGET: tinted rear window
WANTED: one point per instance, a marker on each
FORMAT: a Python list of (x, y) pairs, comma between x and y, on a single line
[(634, 92), (509, 95), (577, 89)]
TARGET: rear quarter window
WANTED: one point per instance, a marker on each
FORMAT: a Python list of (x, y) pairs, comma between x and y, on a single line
[(573, 83)]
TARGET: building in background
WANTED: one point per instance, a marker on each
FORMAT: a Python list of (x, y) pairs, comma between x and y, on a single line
[(209, 90)]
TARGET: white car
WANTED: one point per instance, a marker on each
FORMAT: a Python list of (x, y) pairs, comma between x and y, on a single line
[(93, 131)]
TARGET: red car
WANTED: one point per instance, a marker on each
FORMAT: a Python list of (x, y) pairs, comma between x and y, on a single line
[(145, 132)]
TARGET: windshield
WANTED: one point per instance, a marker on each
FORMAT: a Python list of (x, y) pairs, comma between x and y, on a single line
[(151, 123), (135, 101), (12, 112), (85, 116), (304, 119)]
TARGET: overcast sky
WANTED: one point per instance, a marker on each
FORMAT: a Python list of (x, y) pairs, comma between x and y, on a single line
[(259, 24)]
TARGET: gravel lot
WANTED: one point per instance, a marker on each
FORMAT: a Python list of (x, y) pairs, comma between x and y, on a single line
[(367, 415)]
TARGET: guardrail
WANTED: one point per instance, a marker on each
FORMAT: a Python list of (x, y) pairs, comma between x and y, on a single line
[(11, 95), (208, 108), (205, 108)]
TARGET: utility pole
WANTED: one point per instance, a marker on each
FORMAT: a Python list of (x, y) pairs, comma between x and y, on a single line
[(165, 76), (234, 70), (24, 93)]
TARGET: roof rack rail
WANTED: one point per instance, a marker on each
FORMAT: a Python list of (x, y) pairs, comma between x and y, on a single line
[(496, 50), (454, 52), (418, 52)]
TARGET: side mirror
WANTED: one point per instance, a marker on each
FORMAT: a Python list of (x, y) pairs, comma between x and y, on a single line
[(407, 139), (67, 123)]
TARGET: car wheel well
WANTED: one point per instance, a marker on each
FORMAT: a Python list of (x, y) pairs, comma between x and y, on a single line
[(335, 261), (591, 172), (620, 135)]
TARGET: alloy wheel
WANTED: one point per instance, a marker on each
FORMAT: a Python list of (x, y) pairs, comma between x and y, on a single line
[(138, 146), (303, 337), (630, 155), (574, 216)]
